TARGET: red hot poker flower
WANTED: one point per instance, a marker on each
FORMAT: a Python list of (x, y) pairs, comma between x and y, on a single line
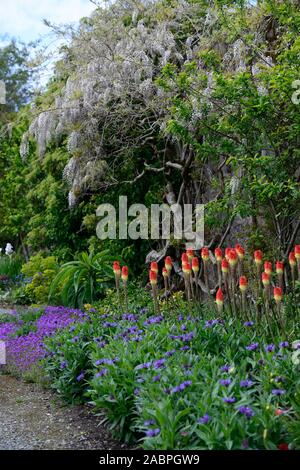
[(125, 274), (258, 255), (232, 257), (186, 268), (243, 283), (227, 251), (277, 294), (240, 251), (218, 255), (190, 254), (265, 278), (205, 254), (184, 258), (153, 277), (279, 267), (154, 266), (195, 264), (165, 272), (292, 259), (224, 266), (117, 269), (219, 297), (168, 263), (297, 251), (268, 267)]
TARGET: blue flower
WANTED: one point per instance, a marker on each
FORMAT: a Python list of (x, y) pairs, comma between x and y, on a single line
[(229, 399), (159, 363), (247, 411), (278, 391), (149, 422), (145, 365), (156, 378), (152, 432), (225, 382), (170, 353), (252, 347), (102, 372), (246, 383), (225, 368), (204, 419), (80, 377), (284, 344), (270, 347), (248, 323), (63, 364)]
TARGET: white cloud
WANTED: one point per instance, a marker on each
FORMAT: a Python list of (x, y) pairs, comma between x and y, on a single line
[(23, 19)]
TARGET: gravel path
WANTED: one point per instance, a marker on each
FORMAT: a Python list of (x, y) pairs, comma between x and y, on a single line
[(32, 418)]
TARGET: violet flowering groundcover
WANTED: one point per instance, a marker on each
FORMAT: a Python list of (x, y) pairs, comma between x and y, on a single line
[(155, 377), (24, 335)]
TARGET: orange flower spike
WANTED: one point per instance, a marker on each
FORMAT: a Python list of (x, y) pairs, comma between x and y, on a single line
[(125, 274), (195, 264), (279, 268), (117, 269), (224, 266), (258, 256), (168, 264), (154, 266), (153, 277), (165, 272), (240, 251), (292, 259), (186, 268), (227, 251), (218, 255), (277, 294), (265, 279), (297, 252), (184, 258), (243, 283), (219, 299), (232, 258), (205, 254), (190, 254), (268, 267)]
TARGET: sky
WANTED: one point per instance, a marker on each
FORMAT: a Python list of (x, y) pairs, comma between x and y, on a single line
[(23, 19)]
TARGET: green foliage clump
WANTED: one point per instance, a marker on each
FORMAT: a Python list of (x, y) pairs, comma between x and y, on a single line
[(41, 271)]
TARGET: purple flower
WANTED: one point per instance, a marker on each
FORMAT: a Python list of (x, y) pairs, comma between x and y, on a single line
[(248, 323), (185, 348), (204, 419), (63, 364), (181, 386), (102, 372), (170, 353), (211, 323), (225, 368), (252, 347), (245, 444), (149, 422), (229, 399), (270, 347), (284, 344), (80, 377), (278, 391), (246, 383), (156, 378), (152, 432), (159, 363), (225, 382), (75, 339), (279, 379), (145, 365), (247, 411), (136, 391)]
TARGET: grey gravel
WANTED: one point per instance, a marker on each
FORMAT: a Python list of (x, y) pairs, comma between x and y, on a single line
[(32, 418)]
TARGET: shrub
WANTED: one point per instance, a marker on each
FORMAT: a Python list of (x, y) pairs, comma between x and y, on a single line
[(41, 270)]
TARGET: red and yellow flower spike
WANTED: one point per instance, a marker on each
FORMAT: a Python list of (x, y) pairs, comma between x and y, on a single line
[(205, 254), (153, 277), (190, 254), (195, 264), (225, 266), (218, 255), (243, 283), (268, 267), (219, 300), (258, 256), (277, 294), (154, 266), (117, 269), (232, 258), (265, 279), (279, 268), (240, 251), (125, 274), (292, 259), (168, 264)]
